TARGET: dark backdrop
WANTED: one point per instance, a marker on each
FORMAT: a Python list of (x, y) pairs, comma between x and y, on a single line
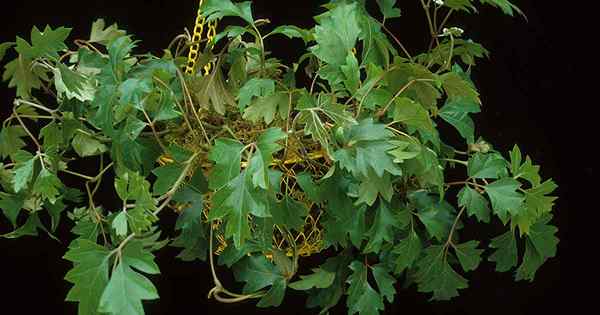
[(531, 95)]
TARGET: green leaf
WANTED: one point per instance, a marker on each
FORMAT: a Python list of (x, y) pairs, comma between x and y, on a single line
[(475, 204), (136, 255), (489, 165), (404, 150), (21, 76), (289, 213), (86, 146), (266, 146), (259, 273), (265, 108), (133, 186), (456, 112), (434, 274), (412, 114), (28, 229), (342, 217), (407, 251), (52, 134), (119, 223), (505, 255), (327, 298), (132, 129), (193, 237), (292, 31), (274, 296), (536, 204), (336, 34), (505, 5), (468, 255), (309, 187), (254, 87), (526, 169), (227, 155), (212, 89), (310, 107), (118, 51), (382, 228), (86, 228), (216, 9), (460, 89), (385, 282), (55, 210), (23, 174), (47, 185), (166, 176), (320, 278), (89, 274), (362, 298), (5, 47), (505, 198), (73, 84), (235, 201), (541, 244), (10, 140), (387, 9), (46, 43), (364, 145), (11, 206), (351, 73), (372, 186), (125, 292), (402, 78), (104, 35), (464, 5), (437, 216)]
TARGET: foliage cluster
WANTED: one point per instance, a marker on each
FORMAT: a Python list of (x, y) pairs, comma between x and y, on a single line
[(263, 171)]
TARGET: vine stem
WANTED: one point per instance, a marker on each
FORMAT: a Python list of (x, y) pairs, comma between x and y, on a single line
[(37, 144), (464, 182), (262, 48), (218, 288), (93, 208), (404, 50), (440, 27), (169, 194), (154, 132), (465, 163), (449, 241), (18, 102), (119, 248), (429, 21), (374, 84)]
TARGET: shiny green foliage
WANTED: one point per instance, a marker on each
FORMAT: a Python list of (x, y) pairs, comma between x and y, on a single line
[(262, 168)]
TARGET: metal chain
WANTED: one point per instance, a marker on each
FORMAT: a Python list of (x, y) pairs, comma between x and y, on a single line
[(194, 52)]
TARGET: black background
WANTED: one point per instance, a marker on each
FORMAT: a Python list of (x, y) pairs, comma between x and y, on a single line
[(532, 95)]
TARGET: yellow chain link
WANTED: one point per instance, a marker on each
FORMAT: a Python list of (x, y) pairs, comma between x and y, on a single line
[(196, 38)]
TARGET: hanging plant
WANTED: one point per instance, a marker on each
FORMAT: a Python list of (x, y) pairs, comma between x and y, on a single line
[(264, 171)]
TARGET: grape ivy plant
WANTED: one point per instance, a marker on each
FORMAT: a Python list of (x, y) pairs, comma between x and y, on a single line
[(263, 171)]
